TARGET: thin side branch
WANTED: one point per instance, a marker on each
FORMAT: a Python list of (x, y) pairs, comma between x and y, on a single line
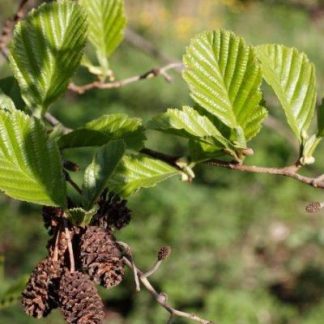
[(160, 297), (53, 121), (155, 268), (289, 171), (128, 252), (153, 73)]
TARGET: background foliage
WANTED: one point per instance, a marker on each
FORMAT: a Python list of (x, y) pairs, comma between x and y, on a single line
[(244, 250)]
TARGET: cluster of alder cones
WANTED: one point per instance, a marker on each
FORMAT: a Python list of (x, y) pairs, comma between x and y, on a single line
[(97, 259)]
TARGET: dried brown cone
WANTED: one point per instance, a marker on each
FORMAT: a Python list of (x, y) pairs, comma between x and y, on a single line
[(314, 207), (164, 253), (101, 257), (52, 218), (39, 296), (113, 212), (79, 299)]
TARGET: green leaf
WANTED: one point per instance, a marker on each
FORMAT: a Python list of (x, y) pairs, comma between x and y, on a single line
[(253, 127), (199, 152), (224, 78), (80, 217), (46, 50), (292, 77), (190, 124), (106, 26), (30, 163), (320, 119), (98, 172), (105, 129), (138, 171), (13, 293), (308, 150)]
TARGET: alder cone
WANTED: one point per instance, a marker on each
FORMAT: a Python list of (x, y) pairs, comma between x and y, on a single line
[(79, 299), (39, 296), (164, 253), (113, 212), (101, 257)]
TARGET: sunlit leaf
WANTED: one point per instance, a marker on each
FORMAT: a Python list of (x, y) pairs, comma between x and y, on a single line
[(253, 127), (45, 51), (139, 171), (224, 78), (106, 26), (30, 163), (190, 124), (292, 77), (105, 129)]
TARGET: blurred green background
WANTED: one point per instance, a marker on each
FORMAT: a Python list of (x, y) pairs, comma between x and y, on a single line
[(243, 248)]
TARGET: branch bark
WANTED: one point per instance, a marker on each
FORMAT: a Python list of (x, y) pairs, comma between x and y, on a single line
[(161, 298), (289, 171), (153, 73)]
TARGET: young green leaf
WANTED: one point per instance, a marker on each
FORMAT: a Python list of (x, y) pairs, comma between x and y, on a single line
[(138, 171), (30, 163), (106, 26), (292, 77), (80, 217), (190, 124), (45, 51), (309, 147), (104, 129), (98, 172), (224, 78)]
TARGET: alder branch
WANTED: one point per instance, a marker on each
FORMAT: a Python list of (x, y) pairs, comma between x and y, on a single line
[(288, 171), (161, 298), (53, 121), (153, 73), (146, 46)]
